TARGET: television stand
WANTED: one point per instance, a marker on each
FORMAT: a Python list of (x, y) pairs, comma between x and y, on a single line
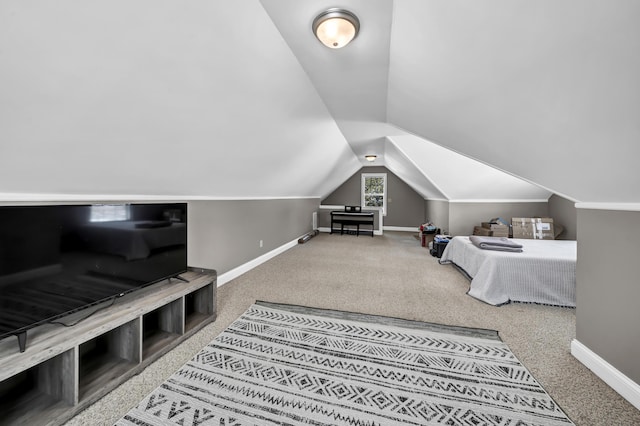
[(65, 369)]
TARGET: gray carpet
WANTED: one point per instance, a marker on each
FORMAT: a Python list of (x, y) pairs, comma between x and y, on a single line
[(392, 275)]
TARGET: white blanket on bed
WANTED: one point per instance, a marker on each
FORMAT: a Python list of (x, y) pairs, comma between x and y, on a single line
[(545, 271)]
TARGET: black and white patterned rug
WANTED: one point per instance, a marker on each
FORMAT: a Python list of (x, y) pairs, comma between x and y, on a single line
[(285, 364)]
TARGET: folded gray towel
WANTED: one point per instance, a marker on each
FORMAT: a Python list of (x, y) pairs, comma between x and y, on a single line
[(495, 243)]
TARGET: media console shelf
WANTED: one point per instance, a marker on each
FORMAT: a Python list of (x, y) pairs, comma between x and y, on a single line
[(65, 369)]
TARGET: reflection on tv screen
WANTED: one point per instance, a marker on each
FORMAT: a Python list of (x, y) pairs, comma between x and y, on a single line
[(58, 259)]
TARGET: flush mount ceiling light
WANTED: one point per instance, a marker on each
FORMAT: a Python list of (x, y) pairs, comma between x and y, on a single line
[(335, 27), (370, 157)]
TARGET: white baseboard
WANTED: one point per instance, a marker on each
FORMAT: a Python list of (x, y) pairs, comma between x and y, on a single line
[(626, 387), (401, 228), (236, 272)]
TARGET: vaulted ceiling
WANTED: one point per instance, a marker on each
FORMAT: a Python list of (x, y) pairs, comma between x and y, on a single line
[(500, 100)]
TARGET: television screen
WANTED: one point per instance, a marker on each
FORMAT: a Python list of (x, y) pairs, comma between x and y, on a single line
[(58, 259)]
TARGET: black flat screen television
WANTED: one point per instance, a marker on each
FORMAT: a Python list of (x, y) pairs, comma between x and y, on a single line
[(58, 259)]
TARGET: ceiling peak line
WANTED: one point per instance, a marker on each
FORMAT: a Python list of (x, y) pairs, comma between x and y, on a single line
[(413, 162)]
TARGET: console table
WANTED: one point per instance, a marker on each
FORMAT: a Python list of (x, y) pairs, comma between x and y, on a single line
[(352, 218)]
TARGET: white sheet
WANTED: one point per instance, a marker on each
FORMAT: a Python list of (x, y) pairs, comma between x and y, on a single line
[(545, 272)]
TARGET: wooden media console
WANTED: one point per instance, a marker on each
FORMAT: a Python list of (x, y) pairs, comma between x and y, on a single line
[(65, 369)]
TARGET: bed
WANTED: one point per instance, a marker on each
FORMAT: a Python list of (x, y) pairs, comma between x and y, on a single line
[(544, 272)]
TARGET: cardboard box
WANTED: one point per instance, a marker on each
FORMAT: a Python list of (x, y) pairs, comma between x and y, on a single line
[(479, 230), (497, 229), (533, 228)]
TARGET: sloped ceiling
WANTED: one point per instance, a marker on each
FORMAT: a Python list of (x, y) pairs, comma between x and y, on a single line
[(456, 177), (547, 90), (160, 98), (238, 99)]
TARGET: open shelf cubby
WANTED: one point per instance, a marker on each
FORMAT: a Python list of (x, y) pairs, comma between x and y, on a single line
[(196, 308), (162, 326), (48, 386), (107, 357), (65, 369)]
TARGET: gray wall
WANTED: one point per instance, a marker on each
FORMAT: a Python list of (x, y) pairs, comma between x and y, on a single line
[(437, 212), (563, 212), (405, 207), (607, 313), (226, 234), (464, 216)]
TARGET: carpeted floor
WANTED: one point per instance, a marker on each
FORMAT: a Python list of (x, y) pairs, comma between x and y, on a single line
[(295, 365), (392, 275)]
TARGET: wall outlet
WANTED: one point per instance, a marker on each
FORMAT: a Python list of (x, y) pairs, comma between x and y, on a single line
[(261, 243)]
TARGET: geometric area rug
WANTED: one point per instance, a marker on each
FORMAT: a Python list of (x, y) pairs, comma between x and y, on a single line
[(292, 365)]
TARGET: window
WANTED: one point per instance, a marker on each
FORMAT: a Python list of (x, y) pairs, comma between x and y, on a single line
[(374, 190), (109, 212)]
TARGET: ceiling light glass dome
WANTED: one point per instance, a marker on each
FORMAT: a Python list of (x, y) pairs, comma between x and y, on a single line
[(335, 28)]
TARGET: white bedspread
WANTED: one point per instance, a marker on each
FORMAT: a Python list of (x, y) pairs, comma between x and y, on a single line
[(545, 272)]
